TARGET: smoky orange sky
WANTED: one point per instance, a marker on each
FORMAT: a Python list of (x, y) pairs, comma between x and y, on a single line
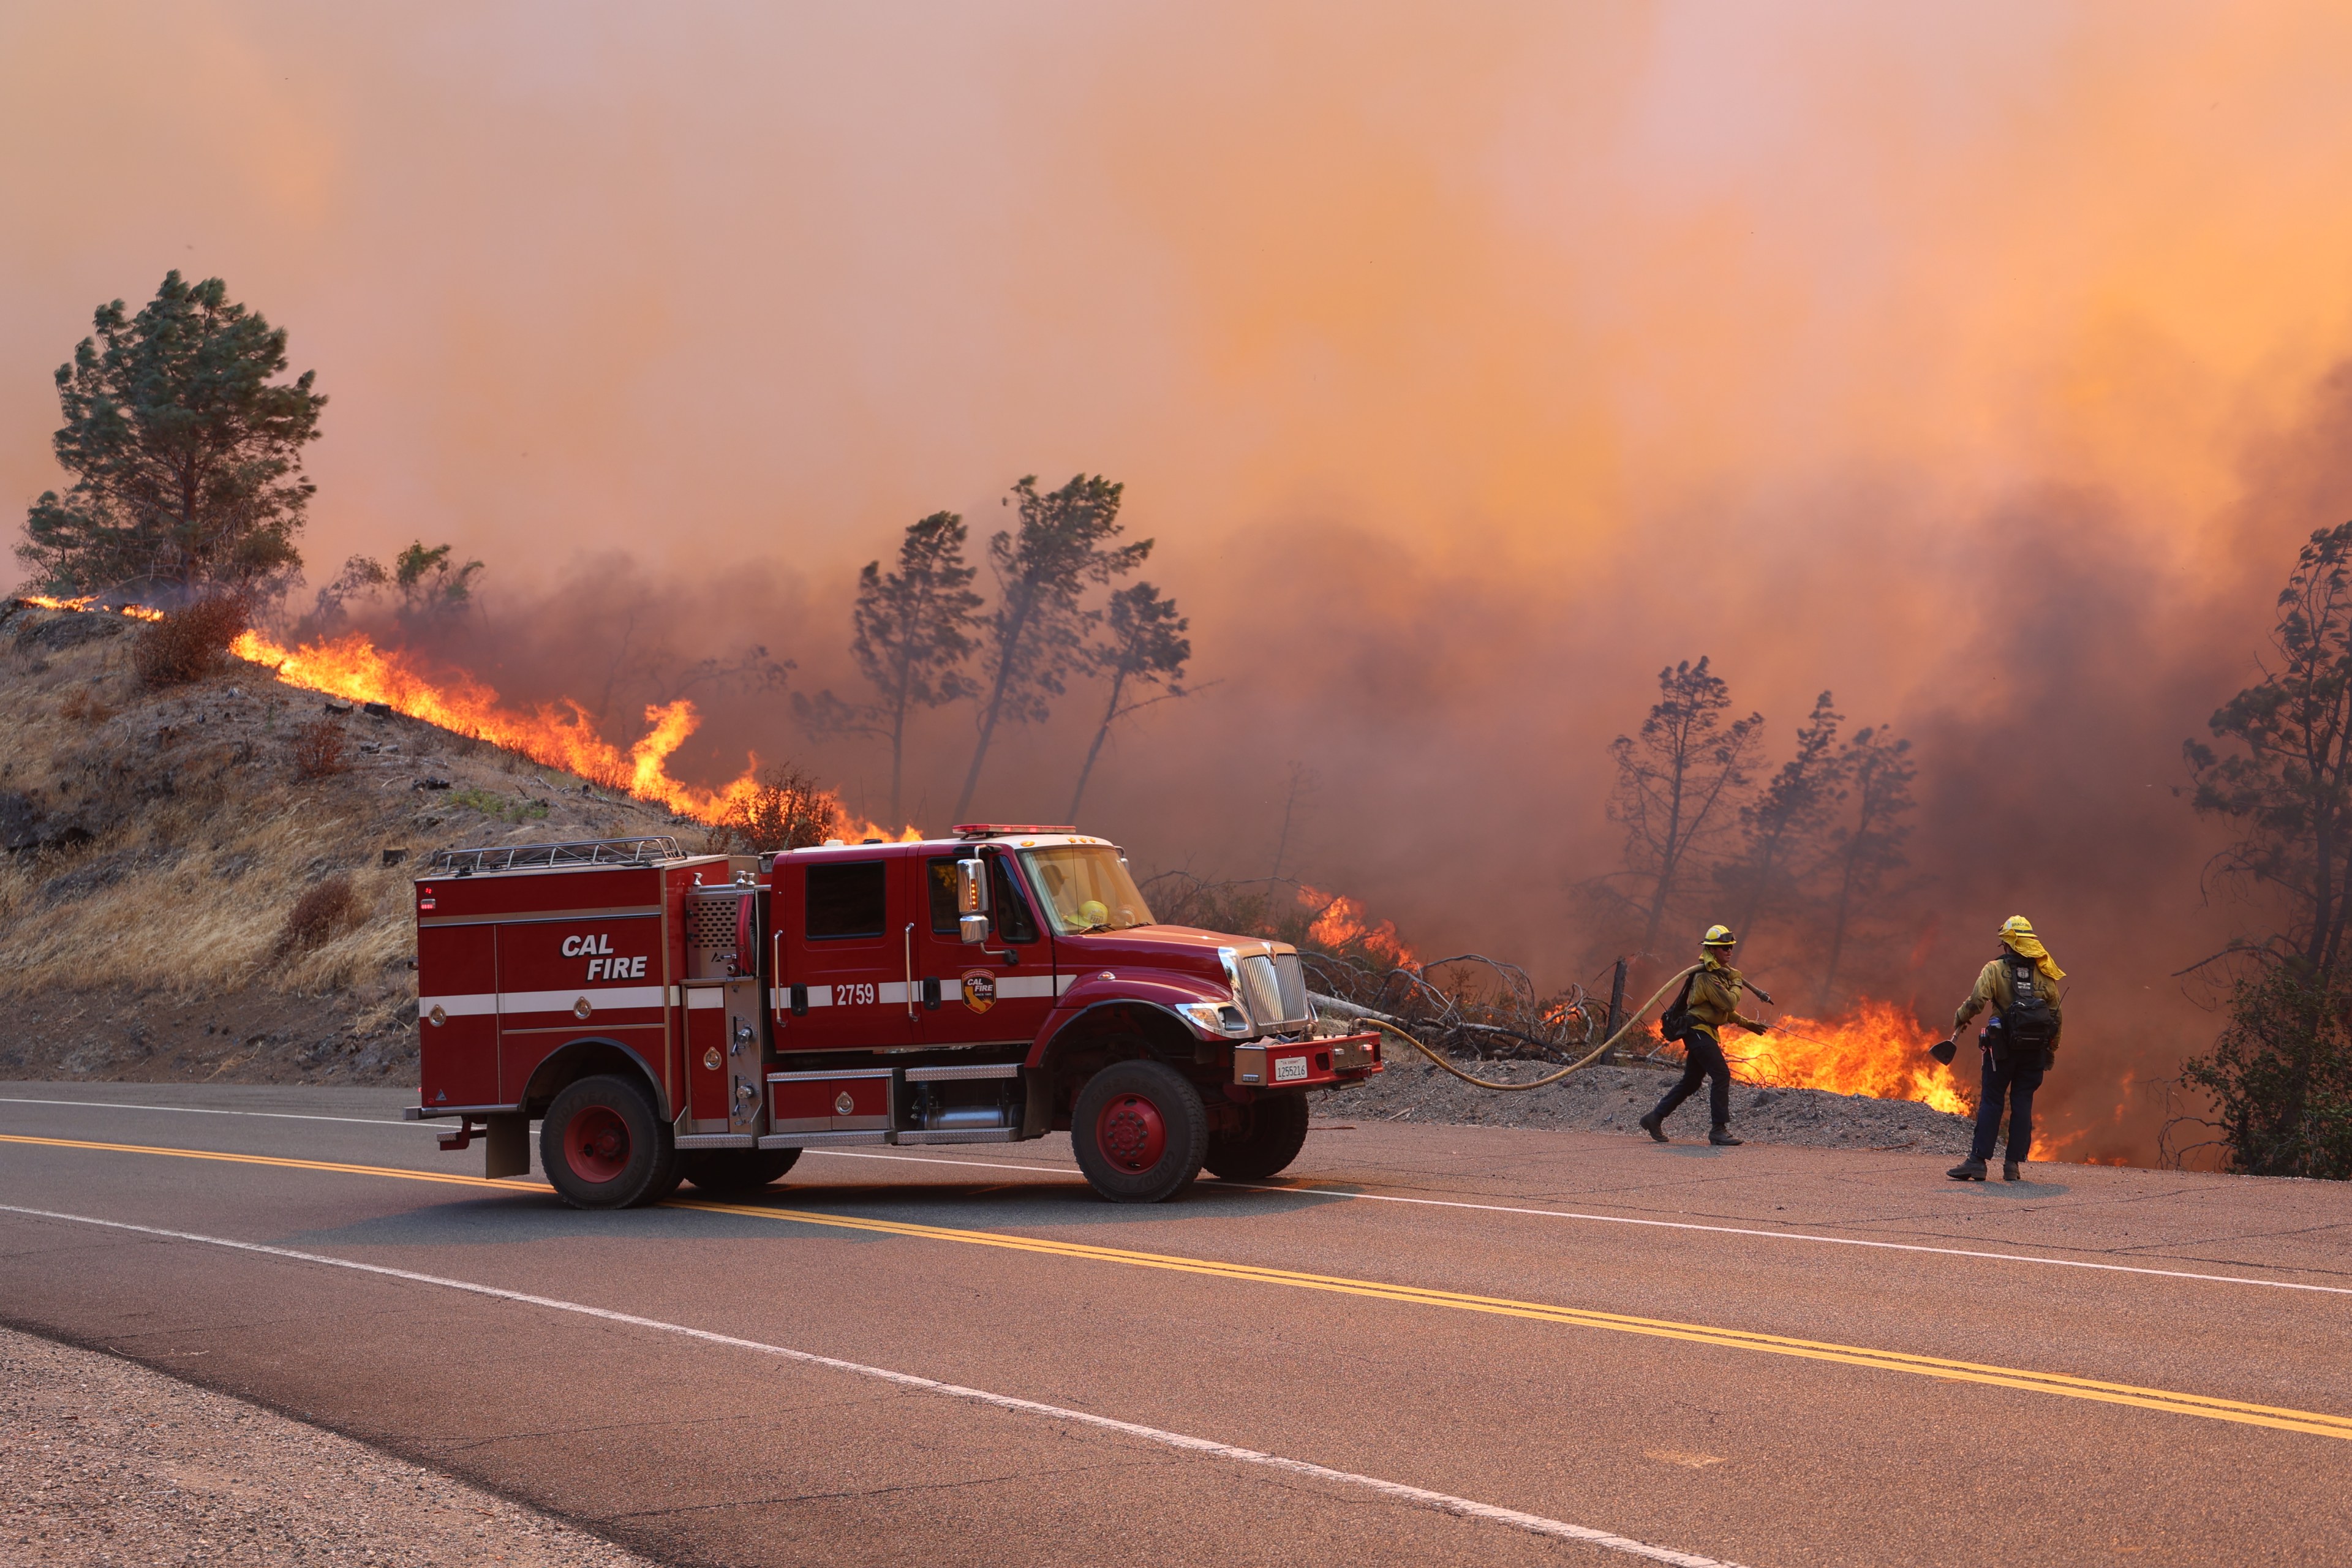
[(1468, 363)]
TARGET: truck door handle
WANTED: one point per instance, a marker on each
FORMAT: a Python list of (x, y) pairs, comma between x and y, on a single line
[(910, 969)]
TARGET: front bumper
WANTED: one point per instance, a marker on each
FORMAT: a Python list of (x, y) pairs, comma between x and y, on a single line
[(1306, 1064)]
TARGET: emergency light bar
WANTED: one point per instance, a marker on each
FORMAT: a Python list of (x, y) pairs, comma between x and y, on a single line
[(1003, 829)]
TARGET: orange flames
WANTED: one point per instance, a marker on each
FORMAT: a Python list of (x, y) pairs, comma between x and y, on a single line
[(1878, 1050), (89, 601), (355, 669), (1339, 923)]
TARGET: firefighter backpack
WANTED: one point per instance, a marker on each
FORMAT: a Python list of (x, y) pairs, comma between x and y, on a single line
[(2028, 1027), (1674, 1023)]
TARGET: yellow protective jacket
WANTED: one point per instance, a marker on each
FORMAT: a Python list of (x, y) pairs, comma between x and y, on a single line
[(1993, 991), (1715, 999)]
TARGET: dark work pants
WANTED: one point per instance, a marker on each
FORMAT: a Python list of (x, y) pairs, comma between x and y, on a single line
[(2015, 1087), (1702, 1058)]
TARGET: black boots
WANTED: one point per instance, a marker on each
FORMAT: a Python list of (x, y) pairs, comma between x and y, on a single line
[(1969, 1170), (2009, 1173), (1655, 1125), (1722, 1138)]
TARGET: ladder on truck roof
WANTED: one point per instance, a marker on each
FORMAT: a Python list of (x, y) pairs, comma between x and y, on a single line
[(646, 851)]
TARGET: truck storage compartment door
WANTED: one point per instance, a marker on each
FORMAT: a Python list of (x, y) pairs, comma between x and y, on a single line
[(726, 1066), (458, 1015), (560, 980), (982, 993), (846, 951)]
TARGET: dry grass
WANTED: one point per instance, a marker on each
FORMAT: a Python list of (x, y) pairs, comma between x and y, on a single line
[(205, 841), (786, 809), (191, 643), (323, 911), (84, 706), (318, 750)]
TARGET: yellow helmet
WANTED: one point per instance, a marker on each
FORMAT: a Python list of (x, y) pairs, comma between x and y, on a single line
[(2016, 925), (1719, 936)]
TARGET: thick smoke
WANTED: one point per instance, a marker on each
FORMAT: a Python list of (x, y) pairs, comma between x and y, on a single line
[(1467, 370)]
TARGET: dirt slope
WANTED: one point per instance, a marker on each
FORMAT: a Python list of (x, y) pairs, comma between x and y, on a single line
[(157, 842)]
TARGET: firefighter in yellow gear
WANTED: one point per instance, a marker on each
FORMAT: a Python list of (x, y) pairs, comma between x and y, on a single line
[(2019, 1043), (1711, 1001)]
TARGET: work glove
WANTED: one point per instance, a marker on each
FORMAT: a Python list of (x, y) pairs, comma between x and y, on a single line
[(1759, 1028)]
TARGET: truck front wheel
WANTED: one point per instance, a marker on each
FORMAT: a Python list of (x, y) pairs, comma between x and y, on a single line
[(1274, 1130), (605, 1148), (1139, 1129), (736, 1170)]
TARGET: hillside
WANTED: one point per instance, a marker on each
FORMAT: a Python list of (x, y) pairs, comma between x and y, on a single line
[(181, 901), (173, 900)]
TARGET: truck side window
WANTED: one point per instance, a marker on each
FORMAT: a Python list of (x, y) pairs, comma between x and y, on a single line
[(846, 899), (940, 877), (1014, 920)]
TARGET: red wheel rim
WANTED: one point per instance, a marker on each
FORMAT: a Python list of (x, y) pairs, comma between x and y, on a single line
[(1130, 1133), (597, 1143)]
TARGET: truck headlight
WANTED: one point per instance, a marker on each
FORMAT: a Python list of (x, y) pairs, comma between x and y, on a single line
[(1215, 1018)]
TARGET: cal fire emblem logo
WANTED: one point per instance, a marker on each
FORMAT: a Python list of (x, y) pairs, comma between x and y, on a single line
[(980, 989)]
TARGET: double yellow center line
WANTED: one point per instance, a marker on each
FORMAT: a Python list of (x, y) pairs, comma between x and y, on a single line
[(1942, 1368)]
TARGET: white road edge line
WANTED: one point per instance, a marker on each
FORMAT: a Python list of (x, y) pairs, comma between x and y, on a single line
[(1663, 1225), (209, 1111), (1445, 1502)]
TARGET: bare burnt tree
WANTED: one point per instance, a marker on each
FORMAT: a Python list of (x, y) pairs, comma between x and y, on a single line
[(1874, 773), (1301, 783), (1680, 782), (1783, 827)]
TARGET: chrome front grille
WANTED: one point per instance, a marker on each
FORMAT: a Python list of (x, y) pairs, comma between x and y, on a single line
[(1261, 991), (1290, 980), (1274, 991)]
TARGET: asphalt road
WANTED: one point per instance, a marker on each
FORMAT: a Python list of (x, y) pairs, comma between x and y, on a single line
[(1435, 1344)]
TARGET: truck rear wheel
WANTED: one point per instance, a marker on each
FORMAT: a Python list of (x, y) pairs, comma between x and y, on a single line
[(1139, 1129), (1274, 1132), (736, 1170), (605, 1148)]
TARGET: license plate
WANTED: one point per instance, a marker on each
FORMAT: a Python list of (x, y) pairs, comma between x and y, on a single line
[(1290, 1069)]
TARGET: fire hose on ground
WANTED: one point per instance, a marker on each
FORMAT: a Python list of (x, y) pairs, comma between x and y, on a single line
[(1381, 1021)]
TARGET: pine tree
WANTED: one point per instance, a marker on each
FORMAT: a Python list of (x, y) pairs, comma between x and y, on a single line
[(1144, 650), (1781, 828), (1874, 799), (911, 637), (187, 457), (1038, 632), (1680, 779)]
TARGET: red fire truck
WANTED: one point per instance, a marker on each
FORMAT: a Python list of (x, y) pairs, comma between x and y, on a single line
[(670, 1017)]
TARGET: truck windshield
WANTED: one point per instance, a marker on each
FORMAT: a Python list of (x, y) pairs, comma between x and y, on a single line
[(1086, 888)]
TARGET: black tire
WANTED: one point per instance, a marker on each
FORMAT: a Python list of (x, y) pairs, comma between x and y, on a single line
[(1139, 1129), (735, 1170), (603, 1147), (1271, 1137)]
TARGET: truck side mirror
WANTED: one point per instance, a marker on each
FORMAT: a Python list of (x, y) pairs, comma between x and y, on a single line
[(971, 900)]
